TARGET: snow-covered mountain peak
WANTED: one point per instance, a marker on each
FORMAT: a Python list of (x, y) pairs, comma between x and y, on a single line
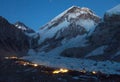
[(23, 27), (72, 14), (72, 19), (76, 11), (114, 11), (72, 9)]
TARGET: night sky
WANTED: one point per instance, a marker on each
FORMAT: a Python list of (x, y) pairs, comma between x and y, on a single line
[(36, 13)]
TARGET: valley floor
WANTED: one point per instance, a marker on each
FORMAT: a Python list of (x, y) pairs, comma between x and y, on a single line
[(18, 70), (107, 67)]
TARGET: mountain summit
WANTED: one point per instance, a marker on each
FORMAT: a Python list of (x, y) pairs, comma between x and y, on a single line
[(72, 14), (70, 23)]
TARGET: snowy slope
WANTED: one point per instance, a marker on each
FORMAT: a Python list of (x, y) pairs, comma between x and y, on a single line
[(98, 51), (115, 10), (51, 32), (83, 17)]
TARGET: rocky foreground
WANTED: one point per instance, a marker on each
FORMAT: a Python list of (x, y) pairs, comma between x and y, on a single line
[(18, 70)]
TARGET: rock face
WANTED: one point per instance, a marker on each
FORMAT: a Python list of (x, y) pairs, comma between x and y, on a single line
[(13, 41), (70, 27)]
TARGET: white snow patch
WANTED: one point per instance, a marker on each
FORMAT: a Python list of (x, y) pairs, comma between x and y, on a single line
[(77, 41), (21, 27), (51, 32), (115, 10), (75, 15), (89, 11), (88, 24), (97, 51)]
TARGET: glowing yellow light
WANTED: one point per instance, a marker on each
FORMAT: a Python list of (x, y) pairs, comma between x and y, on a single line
[(13, 57), (94, 72), (24, 64), (27, 63), (56, 71), (60, 71), (63, 70), (35, 65)]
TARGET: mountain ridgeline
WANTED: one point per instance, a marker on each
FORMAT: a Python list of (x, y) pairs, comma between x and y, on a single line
[(14, 40), (77, 32)]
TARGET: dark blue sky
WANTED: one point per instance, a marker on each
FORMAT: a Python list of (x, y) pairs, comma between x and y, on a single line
[(35, 13)]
